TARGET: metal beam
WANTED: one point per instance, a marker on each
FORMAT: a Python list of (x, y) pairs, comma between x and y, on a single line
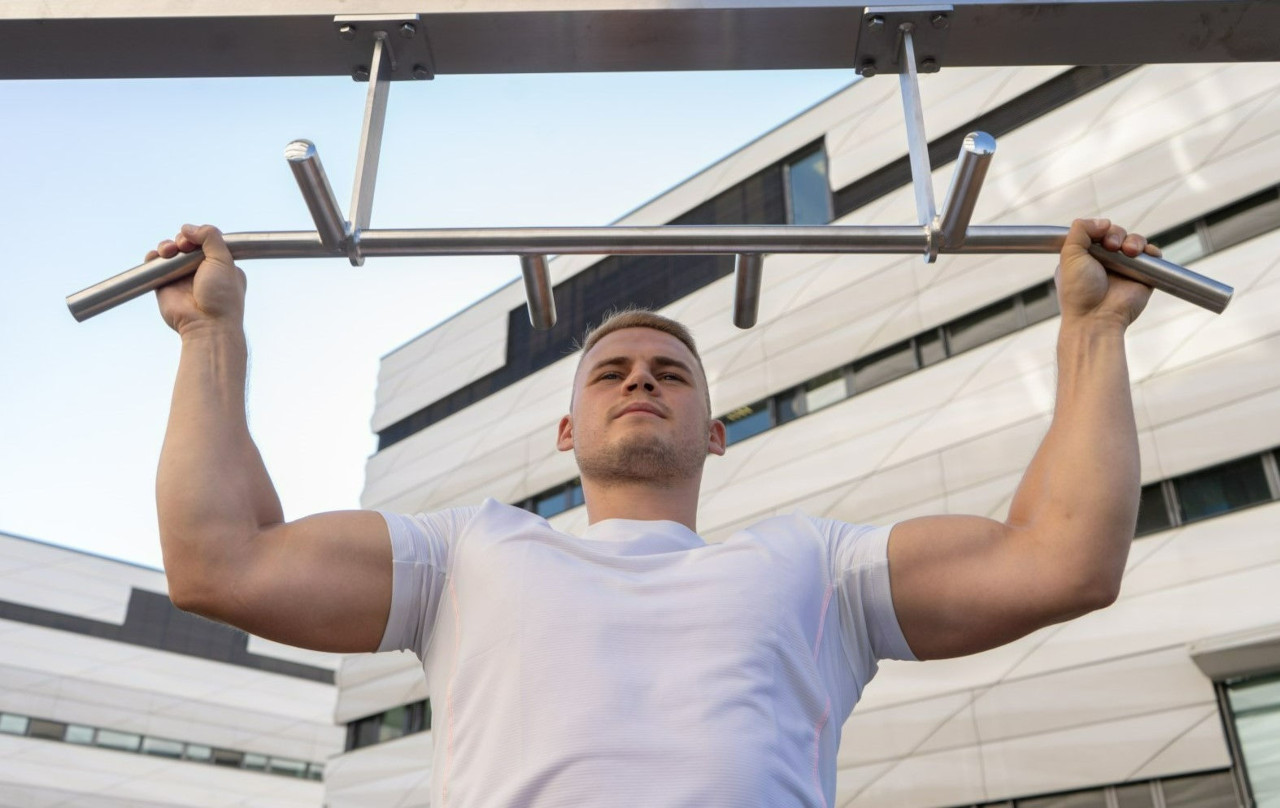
[(42, 39)]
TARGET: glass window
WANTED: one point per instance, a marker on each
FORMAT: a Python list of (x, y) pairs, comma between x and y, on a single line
[(825, 390), (292, 768), (1094, 798), (574, 495), (315, 771), (744, 422), (1223, 488), (886, 365), (393, 724), (1243, 220), (1039, 303), (255, 763), (808, 191), (161, 747), (13, 724), (1135, 795), (199, 752), (49, 730), (930, 347), (1255, 708), (78, 734), (228, 757), (1182, 244), (982, 326), (126, 741), (550, 504), (1153, 514), (1201, 791), (789, 405)]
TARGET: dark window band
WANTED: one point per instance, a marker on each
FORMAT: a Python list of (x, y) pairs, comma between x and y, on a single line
[(152, 621)]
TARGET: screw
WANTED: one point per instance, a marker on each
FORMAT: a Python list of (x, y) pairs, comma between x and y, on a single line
[(347, 32), (360, 73), (929, 65), (939, 21), (868, 68), (875, 23), (421, 72), (407, 30)]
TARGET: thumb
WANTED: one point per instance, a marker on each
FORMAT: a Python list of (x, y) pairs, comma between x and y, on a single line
[(208, 238)]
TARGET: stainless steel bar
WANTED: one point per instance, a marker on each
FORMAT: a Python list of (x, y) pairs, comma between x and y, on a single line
[(538, 292), (304, 161), (747, 275), (375, 114), (143, 278), (662, 240), (966, 181), (917, 142)]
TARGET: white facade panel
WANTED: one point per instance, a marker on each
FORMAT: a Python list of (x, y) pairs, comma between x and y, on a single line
[(1108, 698)]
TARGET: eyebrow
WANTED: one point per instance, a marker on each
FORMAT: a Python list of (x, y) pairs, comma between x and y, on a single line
[(658, 361)]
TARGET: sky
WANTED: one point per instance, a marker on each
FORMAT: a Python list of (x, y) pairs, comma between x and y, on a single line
[(95, 173)]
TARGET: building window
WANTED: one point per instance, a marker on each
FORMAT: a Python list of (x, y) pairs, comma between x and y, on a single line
[(1093, 798), (1136, 795), (1223, 488), (746, 421), (1200, 791), (1255, 713), (930, 348), (884, 366), (1153, 510), (389, 725), (808, 189), (161, 748), (79, 734), (13, 724), (982, 326), (1243, 220), (1183, 244), (124, 741)]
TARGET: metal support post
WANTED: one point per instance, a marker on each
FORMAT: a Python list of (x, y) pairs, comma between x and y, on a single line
[(917, 142), (375, 113), (748, 272)]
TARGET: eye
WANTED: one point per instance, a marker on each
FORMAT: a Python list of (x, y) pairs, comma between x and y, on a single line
[(610, 374), (674, 376)]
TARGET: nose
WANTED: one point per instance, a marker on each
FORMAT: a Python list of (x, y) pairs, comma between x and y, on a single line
[(641, 377)]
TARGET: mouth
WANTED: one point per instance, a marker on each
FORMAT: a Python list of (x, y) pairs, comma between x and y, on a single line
[(641, 409)]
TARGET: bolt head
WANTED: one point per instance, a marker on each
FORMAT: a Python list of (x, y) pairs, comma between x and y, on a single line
[(868, 68), (360, 73), (408, 29), (929, 65), (421, 73), (939, 21), (347, 32), (875, 23)]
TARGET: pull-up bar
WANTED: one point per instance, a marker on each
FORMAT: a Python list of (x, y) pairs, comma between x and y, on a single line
[(945, 231)]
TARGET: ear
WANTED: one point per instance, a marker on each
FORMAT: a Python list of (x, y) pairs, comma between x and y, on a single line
[(564, 435), (717, 437)]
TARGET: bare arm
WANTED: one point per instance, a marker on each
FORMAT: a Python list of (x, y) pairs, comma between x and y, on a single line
[(964, 584), (323, 582)]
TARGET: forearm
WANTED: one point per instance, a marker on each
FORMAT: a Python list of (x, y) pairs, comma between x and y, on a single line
[(1079, 498), (213, 493)]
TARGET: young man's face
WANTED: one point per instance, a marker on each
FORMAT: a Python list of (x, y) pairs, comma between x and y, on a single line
[(639, 411)]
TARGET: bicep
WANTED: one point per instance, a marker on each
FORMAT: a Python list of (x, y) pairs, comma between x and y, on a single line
[(964, 584), (323, 582)]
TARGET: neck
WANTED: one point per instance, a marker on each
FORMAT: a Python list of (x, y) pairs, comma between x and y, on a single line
[(637, 500)]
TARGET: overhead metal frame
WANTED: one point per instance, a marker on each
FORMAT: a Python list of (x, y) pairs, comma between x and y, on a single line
[(893, 37)]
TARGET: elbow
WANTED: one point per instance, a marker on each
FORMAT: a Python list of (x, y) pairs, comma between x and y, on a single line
[(1095, 592)]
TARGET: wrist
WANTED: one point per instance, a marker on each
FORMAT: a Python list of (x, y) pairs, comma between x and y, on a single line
[(213, 331)]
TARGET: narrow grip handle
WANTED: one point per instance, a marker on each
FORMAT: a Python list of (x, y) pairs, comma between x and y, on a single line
[(1167, 277), (132, 283)]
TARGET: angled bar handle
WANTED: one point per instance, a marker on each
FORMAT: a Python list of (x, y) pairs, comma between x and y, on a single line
[(1167, 277), (957, 209), (748, 273), (304, 161), (538, 291)]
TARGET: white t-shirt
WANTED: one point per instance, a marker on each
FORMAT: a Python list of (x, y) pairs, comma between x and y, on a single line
[(638, 665)]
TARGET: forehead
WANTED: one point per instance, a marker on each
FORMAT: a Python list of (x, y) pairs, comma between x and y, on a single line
[(638, 343)]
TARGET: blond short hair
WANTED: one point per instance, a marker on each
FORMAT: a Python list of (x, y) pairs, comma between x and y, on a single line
[(633, 317)]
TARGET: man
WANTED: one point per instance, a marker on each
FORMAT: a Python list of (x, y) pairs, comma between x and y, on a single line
[(636, 663)]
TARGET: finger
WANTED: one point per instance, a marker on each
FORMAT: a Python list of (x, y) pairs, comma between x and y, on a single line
[(1114, 238), (166, 249), (209, 238), (1133, 245), (1084, 232), (1154, 250), (151, 256)]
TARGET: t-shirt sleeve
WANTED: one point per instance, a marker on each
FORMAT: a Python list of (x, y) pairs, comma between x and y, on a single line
[(420, 550), (860, 569)]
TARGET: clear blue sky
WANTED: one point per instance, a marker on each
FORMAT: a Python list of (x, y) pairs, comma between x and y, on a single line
[(94, 173)]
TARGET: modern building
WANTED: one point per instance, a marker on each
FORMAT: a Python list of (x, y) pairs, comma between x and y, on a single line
[(110, 697), (877, 388)]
